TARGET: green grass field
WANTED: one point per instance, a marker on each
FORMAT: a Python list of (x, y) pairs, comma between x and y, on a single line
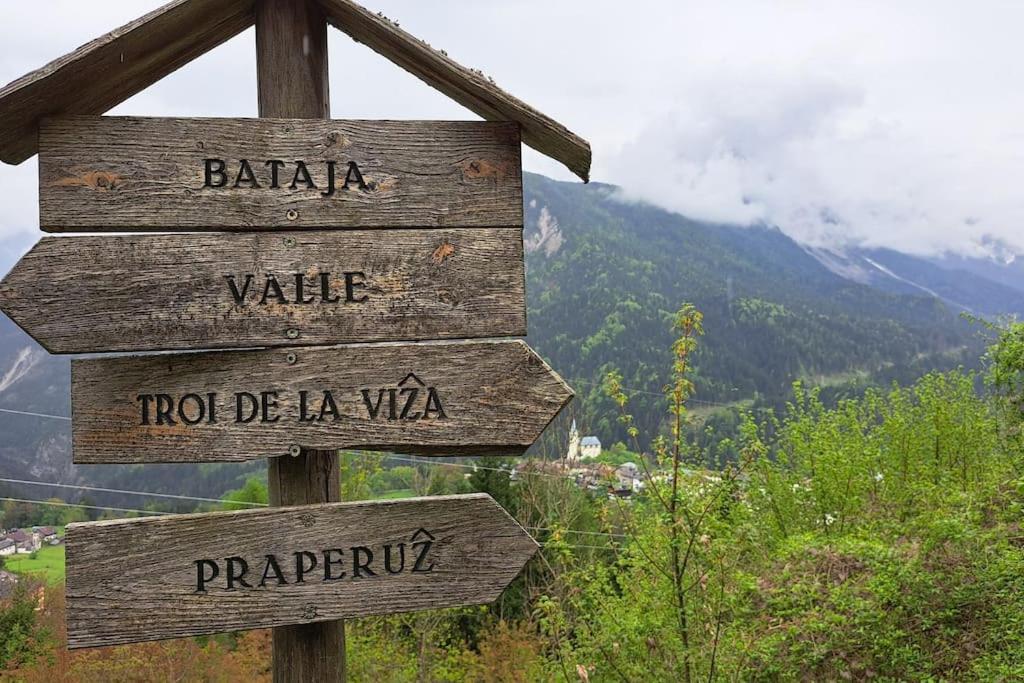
[(399, 493), (48, 564)]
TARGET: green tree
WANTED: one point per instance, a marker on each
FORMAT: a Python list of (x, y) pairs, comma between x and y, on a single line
[(494, 477), (876, 537), (21, 636), (74, 514), (17, 514), (254, 491), (1005, 376), (357, 471)]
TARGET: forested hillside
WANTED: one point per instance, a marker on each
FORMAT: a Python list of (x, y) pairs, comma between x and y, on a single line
[(605, 275), (879, 539), (859, 532)]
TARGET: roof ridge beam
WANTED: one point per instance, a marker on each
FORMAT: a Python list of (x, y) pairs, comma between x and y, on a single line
[(470, 88)]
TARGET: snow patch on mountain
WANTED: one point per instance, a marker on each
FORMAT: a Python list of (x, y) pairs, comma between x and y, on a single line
[(840, 264), (926, 290), (548, 235), (24, 360)]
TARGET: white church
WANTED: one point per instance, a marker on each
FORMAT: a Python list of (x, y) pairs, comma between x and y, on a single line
[(587, 448)]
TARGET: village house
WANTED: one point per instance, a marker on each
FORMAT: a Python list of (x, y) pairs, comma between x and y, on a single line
[(628, 478), (586, 448), (541, 467), (47, 534), (599, 478), (594, 477), (7, 547), (24, 542), (590, 447)]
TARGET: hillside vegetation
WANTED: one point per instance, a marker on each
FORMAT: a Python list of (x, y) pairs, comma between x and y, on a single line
[(606, 278), (877, 539)]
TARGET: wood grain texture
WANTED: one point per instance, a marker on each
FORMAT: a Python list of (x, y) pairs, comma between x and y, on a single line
[(489, 398), (121, 173), (315, 651), (106, 71), (468, 87), (292, 79), (136, 580), (292, 60), (165, 292)]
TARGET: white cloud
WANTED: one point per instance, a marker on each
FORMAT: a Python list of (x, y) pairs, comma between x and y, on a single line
[(812, 157), (739, 152), (881, 124), (875, 122)]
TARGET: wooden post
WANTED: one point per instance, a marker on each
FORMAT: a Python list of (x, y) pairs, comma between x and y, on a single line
[(291, 65)]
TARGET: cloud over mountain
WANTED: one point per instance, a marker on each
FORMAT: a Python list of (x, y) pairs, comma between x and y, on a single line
[(872, 123)]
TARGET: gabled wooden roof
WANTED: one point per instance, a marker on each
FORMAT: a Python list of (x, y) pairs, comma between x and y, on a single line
[(472, 89), (100, 75)]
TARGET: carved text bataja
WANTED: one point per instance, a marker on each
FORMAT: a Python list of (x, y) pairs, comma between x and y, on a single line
[(218, 173)]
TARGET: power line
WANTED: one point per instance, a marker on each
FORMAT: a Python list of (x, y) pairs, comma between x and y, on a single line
[(80, 505), (440, 463), (255, 504), (151, 512), (31, 414), (568, 545), (128, 493), (224, 500), (363, 453), (577, 531), (218, 500), (628, 391)]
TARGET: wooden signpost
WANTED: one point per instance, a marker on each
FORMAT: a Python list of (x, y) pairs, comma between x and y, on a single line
[(439, 398), (198, 574), (329, 232), (291, 39), (115, 174), (161, 292)]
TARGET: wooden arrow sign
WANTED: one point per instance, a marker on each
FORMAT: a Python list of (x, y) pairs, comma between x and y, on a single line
[(164, 292), (441, 398), (186, 575), (115, 173)]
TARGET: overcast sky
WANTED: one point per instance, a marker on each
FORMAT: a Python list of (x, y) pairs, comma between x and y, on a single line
[(885, 123)]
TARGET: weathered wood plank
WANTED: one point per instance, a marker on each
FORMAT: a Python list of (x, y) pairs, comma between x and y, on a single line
[(122, 173), (470, 88), (150, 579), (441, 398), (163, 292), (291, 38), (103, 73), (112, 68)]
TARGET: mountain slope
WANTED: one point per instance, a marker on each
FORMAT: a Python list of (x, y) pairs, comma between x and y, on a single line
[(773, 312), (604, 279), (972, 288), (1007, 268)]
